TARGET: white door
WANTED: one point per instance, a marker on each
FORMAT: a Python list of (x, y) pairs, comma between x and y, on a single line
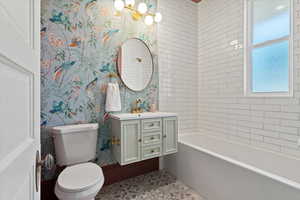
[(131, 141), (170, 135), (19, 98)]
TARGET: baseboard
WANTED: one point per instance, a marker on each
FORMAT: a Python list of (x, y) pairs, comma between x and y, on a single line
[(112, 173)]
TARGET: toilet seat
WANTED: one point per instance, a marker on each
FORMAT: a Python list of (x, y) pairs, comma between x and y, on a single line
[(81, 181)]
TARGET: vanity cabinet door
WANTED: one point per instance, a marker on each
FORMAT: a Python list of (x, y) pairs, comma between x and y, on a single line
[(170, 135), (131, 141)]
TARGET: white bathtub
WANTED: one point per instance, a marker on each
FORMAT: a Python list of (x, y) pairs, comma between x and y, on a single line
[(223, 170)]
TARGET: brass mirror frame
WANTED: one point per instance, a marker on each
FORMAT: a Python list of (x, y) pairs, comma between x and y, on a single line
[(118, 67)]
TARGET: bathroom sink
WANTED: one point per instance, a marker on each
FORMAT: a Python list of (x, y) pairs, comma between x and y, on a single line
[(144, 115)]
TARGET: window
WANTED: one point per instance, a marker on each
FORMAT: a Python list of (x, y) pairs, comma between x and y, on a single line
[(268, 52)]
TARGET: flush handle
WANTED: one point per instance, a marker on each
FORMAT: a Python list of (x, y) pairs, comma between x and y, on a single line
[(47, 162)]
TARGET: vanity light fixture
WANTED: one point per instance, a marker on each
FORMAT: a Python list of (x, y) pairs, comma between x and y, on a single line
[(142, 8), (119, 5), (129, 3), (148, 20), (138, 13)]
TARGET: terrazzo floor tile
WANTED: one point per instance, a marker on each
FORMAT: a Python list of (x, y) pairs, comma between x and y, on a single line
[(153, 186)]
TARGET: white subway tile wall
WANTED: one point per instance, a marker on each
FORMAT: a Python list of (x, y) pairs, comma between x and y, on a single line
[(178, 68), (268, 123)]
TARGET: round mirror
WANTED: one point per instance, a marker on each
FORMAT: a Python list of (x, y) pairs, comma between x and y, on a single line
[(135, 64)]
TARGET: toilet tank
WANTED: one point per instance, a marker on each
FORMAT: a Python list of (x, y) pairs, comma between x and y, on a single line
[(75, 143)]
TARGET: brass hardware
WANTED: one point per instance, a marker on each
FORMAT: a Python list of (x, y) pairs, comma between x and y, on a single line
[(136, 110), (135, 14), (140, 140), (152, 151), (152, 138), (112, 75), (115, 141), (47, 162)]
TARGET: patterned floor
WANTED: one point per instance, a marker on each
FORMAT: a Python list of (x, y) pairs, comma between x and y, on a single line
[(153, 186)]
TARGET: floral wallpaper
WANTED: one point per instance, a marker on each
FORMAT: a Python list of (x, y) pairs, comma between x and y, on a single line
[(79, 44)]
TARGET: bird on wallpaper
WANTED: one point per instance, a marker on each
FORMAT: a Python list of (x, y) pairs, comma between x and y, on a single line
[(57, 107), (75, 42), (57, 18), (107, 35), (91, 84), (106, 68), (59, 70)]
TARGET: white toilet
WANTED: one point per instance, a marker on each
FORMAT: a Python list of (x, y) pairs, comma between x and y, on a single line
[(75, 146)]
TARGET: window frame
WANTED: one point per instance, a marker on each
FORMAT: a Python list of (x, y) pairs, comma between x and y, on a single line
[(248, 36)]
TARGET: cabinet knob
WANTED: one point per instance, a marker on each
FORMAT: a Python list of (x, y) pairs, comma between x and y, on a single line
[(152, 138), (140, 140), (164, 136), (152, 151), (115, 141)]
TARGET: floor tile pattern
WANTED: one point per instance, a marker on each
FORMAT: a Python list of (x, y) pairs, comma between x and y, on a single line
[(158, 185)]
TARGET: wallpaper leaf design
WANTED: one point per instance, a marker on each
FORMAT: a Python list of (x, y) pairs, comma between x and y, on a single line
[(79, 44)]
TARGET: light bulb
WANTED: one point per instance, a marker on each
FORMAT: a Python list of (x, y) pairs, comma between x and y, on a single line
[(149, 20), (158, 17), (119, 5), (130, 2), (142, 8)]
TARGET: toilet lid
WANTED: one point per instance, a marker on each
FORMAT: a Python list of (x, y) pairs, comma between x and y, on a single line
[(80, 177)]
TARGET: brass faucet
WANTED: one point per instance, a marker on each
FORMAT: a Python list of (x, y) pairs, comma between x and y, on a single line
[(137, 106)]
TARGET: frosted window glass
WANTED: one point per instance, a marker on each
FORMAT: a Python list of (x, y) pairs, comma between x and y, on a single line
[(270, 68), (271, 20)]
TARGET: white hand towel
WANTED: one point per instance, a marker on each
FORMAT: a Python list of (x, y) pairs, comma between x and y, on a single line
[(113, 99)]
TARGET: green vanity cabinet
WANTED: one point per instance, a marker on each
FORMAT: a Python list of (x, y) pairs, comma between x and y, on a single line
[(137, 137)]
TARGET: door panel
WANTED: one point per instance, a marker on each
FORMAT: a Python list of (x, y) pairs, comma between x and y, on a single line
[(18, 173), (131, 141), (20, 41), (20, 111), (19, 98), (19, 14), (170, 135)]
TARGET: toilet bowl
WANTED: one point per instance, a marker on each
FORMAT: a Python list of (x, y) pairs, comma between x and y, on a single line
[(79, 182), (77, 144)]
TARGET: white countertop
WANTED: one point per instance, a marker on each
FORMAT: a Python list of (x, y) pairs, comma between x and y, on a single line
[(145, 115)]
